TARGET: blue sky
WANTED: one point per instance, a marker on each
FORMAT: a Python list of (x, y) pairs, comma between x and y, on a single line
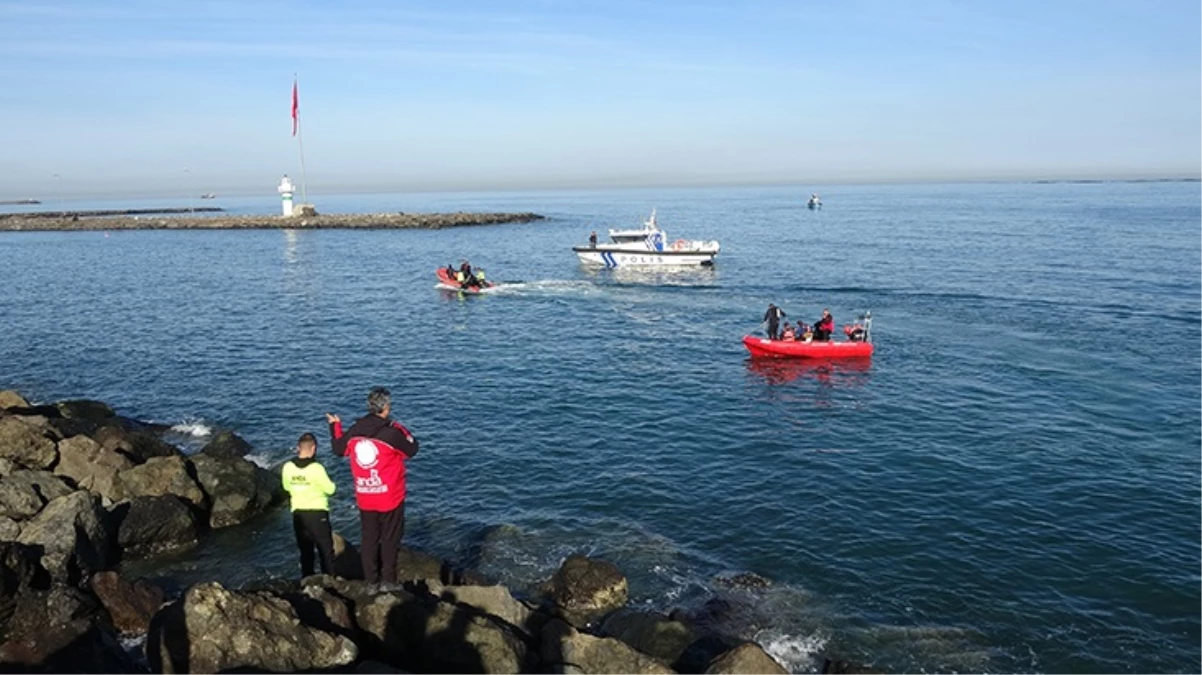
[(155, 96)]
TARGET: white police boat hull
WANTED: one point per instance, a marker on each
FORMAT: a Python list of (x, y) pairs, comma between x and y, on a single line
[(649, 247)]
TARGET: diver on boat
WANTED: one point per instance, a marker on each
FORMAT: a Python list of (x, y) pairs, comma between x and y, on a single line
[(825, 326), (773, 317), (592, 240)]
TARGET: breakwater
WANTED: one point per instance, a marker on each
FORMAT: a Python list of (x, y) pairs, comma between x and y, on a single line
[(170, 220)]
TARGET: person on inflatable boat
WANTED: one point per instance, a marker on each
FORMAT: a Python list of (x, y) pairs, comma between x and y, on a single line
[(787, 334), (825, 326)]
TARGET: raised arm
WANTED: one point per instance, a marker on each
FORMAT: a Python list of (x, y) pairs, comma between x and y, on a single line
[(337, 440)]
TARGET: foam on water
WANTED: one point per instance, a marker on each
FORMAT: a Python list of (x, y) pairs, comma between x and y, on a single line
[(196, 429), (797, 653)]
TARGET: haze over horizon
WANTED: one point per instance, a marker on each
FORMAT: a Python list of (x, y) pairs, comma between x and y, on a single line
[(145, 97)]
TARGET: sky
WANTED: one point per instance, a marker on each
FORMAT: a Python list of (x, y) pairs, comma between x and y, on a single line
[(155, 97)]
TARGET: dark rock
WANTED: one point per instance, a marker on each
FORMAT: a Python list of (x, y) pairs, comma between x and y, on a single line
[(414, 565), (436, 637), (833, 667), (585, 589), (71, 533), (130, 605), (742, 581), (61, 630), (138, 446), (92, 467), (24, 493), (154, 525), (93, 411), (211, 629), (11, 399), (237, 489), (347, 563), (650, 633), (162, 476), (25, 441), (746, 659), (493, 601), (226, 444), (566, 650), (20, 570)]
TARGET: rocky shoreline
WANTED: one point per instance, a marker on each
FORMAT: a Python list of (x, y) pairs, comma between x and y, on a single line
[(71, 221), (83, 489)]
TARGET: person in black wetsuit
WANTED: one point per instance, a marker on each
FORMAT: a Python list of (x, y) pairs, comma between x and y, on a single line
[(824, 326), (592, 240), (773, 317)]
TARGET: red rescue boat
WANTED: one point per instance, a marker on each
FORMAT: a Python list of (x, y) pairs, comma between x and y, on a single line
[(857, 346), (447, 280)]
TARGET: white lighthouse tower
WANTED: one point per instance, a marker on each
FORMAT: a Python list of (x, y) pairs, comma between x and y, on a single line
[(286, 188)]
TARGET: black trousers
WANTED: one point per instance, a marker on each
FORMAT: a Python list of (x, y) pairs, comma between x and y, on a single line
[(382, 532), (773, 330), (313, 530)]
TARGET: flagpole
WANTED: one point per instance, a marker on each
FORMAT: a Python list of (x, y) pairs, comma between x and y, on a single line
[(300, 144)]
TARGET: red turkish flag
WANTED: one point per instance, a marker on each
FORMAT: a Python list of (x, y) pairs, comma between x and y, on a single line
[(294, 108)]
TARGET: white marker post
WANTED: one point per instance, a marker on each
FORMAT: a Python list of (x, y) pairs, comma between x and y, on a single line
[(286, 189)]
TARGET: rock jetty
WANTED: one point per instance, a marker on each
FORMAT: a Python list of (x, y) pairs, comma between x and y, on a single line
[(68, 221), (83, 489)]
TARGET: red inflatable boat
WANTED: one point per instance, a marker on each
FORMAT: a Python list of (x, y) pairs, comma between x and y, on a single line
[(446, 279), (861, 347)]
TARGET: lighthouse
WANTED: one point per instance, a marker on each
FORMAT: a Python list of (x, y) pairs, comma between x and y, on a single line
[(286, 188)]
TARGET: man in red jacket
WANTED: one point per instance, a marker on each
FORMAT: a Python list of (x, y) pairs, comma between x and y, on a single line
[(378, 448)]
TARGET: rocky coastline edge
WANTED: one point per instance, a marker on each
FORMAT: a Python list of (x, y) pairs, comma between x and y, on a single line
[(84, 489)]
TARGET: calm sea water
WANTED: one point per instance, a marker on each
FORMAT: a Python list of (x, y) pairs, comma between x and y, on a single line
[(1012, 483)]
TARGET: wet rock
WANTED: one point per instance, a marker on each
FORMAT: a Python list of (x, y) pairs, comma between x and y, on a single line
[(566, 650), (130, 605), (414, 565), (834, 667), (650, 633), (437, 637), (162, 476), (25, 441), (226, 444), (92, 467), (24, 493), (138, 446), (84, 409), (585, 589), (20, 570), (746, 659), (347, 563), (71, 533), (211, 629), (11, 399), (743, 581), (237, 489), (154, 525)]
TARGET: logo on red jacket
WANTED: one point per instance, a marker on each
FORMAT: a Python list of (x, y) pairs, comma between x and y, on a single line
[(366, 453)]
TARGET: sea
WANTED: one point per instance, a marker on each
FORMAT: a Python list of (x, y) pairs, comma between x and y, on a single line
[(1010, 484)]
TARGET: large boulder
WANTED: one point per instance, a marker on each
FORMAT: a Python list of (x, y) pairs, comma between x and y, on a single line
[(154, 525), (494, 601), (566, 650), (27, 442), (24, 493), (746, 659), (72, 535), (84, 409), (92, 466), (11, 399), (138, 446), (226, 444), (586, 589), (130, 604), (426, 636), (162, 476), (9, 529), (237, 489), (211, 629), (650, 633), (61, 630), (413, 565)]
